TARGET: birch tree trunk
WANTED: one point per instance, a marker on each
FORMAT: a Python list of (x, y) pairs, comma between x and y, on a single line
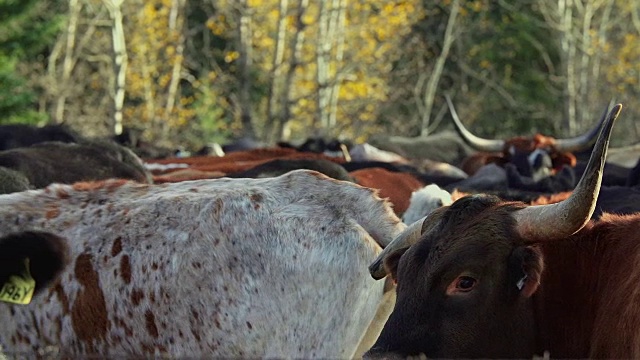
[(334, 90), (245, 62), (330, 36), (119, 61), (67, 65), (294, 62), (176, 23), (323, 48), (434, 79), (276, 75)]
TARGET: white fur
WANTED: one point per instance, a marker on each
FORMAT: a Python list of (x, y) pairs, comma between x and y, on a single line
[(272, 267), (424, 201)]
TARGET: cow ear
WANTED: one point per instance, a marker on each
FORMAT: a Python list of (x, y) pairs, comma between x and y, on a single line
[(41, 255), (526, 266), (391, 262)]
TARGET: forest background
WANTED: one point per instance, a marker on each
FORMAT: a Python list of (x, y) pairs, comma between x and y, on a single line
[(200, 71)]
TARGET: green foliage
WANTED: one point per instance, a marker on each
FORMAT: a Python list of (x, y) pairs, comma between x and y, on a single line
[(26, 28), (212, 124), (508, 45), (506, 70)]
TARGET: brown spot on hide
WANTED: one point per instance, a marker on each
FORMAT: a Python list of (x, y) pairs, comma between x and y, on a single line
[(256, 197), (136, 296), (154, 266), (217, 209), (62, 296), (125, 269), (249, 325), (89, 311), (147, 349), (150, 321), (110, 185), (62, 194), (52, 213), (117, 246), (195, 334)]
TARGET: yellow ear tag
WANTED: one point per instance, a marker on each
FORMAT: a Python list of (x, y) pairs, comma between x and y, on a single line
[(19, 288)]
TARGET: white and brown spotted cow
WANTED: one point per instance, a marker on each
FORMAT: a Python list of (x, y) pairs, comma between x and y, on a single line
[(238, 268)]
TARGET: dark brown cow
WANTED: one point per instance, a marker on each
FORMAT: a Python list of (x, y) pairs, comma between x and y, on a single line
[(535, 156), (494, 279)]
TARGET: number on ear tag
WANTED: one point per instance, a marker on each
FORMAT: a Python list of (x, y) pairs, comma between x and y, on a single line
[(19, 288)]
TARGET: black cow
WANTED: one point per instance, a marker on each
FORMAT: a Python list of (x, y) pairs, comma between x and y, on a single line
[(131, 137), (318, 145), (56, 162), (278, 167), (21, 135)]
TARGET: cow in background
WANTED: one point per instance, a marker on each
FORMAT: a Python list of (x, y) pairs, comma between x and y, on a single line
[(494, 279), (39, 165), (21, 135), (535, 157), (394, 186), (446, 146), (279, 167), (424, 201), (318, 145), (230, 268)]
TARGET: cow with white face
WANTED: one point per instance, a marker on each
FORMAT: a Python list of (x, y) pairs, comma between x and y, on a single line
[(226, 268)]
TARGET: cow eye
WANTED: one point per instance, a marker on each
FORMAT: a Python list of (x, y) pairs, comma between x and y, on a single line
[(465, 283), (462, 284)]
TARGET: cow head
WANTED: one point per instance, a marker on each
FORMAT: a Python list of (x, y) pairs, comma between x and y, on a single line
[(466, 273), (535, 157)]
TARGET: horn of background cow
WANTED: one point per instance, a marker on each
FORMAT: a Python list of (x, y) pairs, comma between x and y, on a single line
[(585, 140), (405, 239), (556, 221), (477, 142)]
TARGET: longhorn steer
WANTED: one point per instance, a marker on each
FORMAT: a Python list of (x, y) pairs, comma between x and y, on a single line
[(494, 279), (226, 268), (535, 157)]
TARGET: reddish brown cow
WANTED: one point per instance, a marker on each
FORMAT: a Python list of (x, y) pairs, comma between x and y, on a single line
[(242, 160), (495, 279), (539, 155), (395, 186)]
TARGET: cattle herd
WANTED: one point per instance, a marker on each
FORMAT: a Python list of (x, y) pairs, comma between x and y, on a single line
[(516, 248)]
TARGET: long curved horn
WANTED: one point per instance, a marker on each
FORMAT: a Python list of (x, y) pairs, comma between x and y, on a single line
[(556, 221), (405, 239), (410, 236), (583, 141), (477, 142)]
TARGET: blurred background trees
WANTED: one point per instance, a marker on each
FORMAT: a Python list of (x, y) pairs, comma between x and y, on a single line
[(193, 72)]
